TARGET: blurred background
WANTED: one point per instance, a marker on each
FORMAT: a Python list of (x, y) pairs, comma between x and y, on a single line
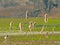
[(36, 8)]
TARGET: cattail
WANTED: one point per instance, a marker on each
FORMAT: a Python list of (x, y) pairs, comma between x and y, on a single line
[(30, 26), (42, 29), (20, 26), (46, 34), (33, 24), (46, 19), (11, 25), (26, 15)]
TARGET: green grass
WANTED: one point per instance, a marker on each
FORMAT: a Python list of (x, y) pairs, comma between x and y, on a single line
[(26, 38), (4, 24), (4, 27), (31, 37)]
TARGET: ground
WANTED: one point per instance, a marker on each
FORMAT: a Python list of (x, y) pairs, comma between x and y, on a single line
[(29, 39)]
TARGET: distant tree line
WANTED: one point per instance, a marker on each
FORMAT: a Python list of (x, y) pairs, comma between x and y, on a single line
[(50, 4)]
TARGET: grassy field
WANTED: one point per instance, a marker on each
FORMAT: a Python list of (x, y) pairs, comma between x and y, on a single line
[(52, 23), (34, 39)]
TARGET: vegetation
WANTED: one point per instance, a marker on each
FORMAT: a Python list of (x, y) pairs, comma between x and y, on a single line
[(52, 23), (11, 40)]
